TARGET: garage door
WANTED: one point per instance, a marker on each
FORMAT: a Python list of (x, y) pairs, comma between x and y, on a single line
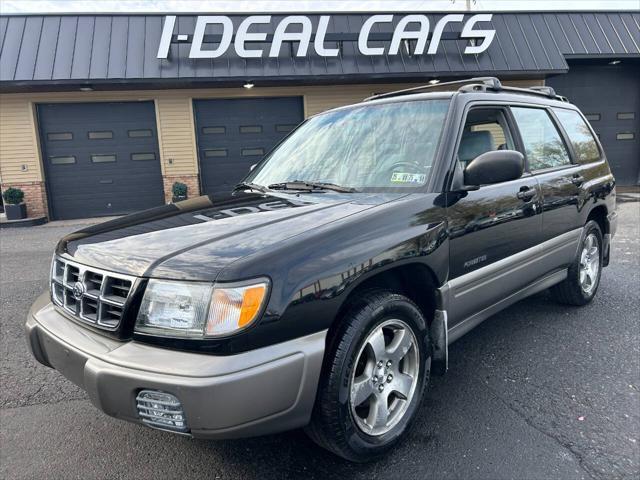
[(609, 96), (100, 158), (233, 134)]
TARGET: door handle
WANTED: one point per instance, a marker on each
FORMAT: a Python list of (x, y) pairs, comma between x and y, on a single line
[(526, 193), (577, 179)]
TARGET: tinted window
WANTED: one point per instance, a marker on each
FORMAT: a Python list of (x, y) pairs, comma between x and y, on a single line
[(215, 152), (542, 142), (143, 156), (100, 158), (213, 130), (484, 130), (625, 136), (60, 136), (284, 128), (140, 133), (248, 152), (251, 129), (63, 160), (584, 145), (100, 135)]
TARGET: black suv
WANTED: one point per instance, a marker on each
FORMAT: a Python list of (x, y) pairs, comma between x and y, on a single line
[(324, 290)]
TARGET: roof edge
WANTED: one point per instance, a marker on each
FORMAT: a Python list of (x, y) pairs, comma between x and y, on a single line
[(309, 12)]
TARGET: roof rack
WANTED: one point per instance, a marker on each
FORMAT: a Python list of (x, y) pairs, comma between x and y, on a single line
[(549, 91), (483, 84), (489, 82), (545, 89), (539, 90)]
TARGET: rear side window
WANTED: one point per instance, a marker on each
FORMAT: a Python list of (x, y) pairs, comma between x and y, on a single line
[(542, 141), (584, 145)]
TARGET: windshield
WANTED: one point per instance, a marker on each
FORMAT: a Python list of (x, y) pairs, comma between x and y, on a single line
[(383, 146)]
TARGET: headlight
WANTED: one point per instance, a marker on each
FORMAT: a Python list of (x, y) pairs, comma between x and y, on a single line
[(189, 309)]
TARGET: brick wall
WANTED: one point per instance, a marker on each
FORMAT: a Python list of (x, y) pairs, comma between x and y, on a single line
[(35, 196), (191, 181)]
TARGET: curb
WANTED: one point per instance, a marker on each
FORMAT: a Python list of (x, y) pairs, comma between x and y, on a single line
[(26, 222)]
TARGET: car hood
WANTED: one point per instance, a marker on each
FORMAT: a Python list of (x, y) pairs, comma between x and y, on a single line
[(214, 231)]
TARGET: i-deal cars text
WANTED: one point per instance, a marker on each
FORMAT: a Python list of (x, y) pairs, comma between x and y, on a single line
[(299, 29)]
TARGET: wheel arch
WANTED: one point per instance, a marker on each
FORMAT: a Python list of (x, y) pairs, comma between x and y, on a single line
[(414, 280), (418, 282), (599, 215)]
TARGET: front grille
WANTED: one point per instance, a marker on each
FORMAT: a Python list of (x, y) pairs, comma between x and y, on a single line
[(92, 295)]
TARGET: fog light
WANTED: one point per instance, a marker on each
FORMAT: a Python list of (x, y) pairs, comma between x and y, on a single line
[(161, 410)]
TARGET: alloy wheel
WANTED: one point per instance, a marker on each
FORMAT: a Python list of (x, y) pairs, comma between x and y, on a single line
[(589, 264), (385, 377)]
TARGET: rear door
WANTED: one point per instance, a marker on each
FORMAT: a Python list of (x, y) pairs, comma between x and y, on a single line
[(493, 230), (548, 158)]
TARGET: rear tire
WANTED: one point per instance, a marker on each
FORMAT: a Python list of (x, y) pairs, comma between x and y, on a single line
[(583, 277), (376, 368)]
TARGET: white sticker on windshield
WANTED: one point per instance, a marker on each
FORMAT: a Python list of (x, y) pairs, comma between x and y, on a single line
[(401, 177)]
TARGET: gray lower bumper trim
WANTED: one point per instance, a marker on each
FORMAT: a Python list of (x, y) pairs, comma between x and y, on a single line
[(471, 322), (264, 391)]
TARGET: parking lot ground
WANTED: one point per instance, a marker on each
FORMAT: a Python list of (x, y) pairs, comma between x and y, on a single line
[(537, 391)]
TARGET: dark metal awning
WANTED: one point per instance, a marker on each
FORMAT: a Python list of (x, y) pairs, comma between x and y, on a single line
[(53, 51)]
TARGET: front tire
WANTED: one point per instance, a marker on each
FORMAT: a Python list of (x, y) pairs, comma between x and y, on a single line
[(376, 369), (583, 277)]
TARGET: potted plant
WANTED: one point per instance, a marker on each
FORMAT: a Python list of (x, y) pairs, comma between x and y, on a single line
[(14, 207), (179, 191)]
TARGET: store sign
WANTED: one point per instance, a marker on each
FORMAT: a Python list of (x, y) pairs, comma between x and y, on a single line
[(412, 31)]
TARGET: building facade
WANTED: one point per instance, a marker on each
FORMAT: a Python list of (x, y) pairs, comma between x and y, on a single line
[(101, 114)]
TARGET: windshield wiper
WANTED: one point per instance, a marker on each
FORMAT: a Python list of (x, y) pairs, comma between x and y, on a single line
[(250, 186), (305, 186)]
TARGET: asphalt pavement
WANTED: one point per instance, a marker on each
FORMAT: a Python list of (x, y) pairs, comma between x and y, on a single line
[(537, 391)]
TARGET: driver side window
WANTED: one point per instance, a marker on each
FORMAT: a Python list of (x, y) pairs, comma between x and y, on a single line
[(485, 129)]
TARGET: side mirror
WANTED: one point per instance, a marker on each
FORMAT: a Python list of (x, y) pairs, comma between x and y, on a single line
[(252, 167), (494, 167)]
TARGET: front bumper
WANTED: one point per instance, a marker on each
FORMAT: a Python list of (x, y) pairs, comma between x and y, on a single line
[(263, 391)]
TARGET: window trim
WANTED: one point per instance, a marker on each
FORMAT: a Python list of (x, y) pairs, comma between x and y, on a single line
[(543, 171)]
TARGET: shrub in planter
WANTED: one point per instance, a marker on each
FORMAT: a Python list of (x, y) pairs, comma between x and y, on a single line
[(179, 191), (14, 206)]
